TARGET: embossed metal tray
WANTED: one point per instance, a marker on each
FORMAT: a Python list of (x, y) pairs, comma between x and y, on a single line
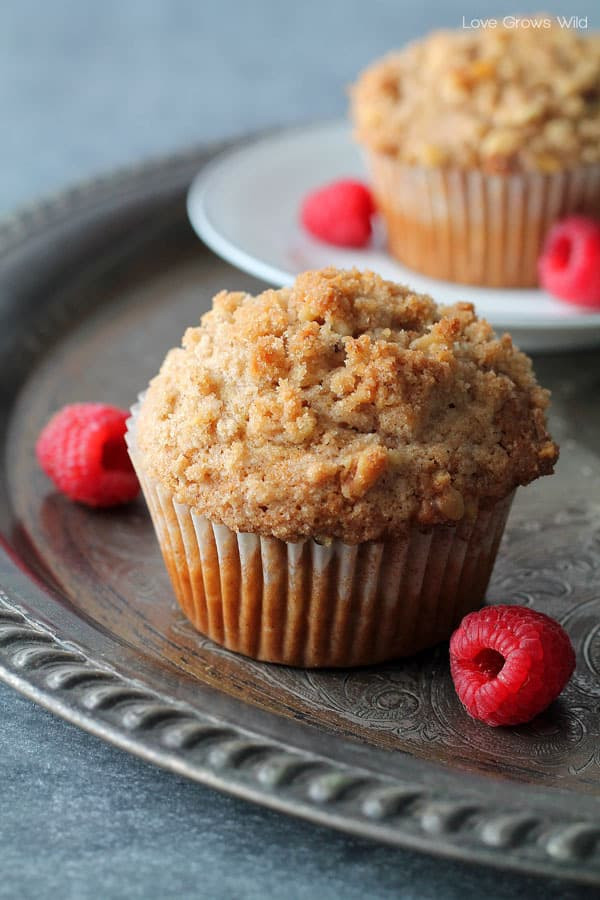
[(95, 285)]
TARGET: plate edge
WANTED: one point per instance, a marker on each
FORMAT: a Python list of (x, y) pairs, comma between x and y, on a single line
[(272, 274), (65, 679)]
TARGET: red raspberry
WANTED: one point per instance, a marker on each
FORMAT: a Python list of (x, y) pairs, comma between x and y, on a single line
[(82, 449), (569, 266), (339, 213), (509, 663)]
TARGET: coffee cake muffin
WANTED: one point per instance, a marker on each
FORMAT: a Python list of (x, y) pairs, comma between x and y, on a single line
[(329, 466), (477, 141)]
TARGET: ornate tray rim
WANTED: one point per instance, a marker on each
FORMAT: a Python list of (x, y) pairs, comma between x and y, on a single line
[(70, 682)]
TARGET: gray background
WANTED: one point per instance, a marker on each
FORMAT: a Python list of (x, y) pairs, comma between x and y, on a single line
[(85, 86)]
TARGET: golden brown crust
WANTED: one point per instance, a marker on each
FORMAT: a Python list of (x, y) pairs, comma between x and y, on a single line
[(343, 406), (503, 99)]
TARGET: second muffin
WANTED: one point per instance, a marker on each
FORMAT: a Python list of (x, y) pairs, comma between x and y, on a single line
[(477, 141), (329, 467)]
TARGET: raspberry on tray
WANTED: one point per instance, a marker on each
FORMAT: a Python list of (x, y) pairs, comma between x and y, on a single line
[(82, 449), (509, 663)]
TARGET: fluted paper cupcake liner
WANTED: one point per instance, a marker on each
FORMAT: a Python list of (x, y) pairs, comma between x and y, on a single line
[(472, 227), (311, 604)]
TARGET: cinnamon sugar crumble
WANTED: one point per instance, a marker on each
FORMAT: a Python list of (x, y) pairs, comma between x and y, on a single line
[(343, 406), (503, 100)]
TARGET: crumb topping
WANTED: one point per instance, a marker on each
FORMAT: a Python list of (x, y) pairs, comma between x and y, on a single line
[(343, 406), (503, 99)]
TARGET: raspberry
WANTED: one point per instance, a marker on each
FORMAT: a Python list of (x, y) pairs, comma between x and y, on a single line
[(82, 449), (339, 213), (509, 663), (569, 266)]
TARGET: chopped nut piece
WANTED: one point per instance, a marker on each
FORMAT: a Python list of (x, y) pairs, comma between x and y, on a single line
[(365, 470)]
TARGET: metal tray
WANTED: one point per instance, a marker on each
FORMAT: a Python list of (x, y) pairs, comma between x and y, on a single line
[(95, 285)]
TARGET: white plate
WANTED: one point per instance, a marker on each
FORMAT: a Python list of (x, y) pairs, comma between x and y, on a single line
[(245, 205)]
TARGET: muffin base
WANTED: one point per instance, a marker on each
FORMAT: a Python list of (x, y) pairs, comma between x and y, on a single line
[(320, 605), (306, 604), (474, 228)]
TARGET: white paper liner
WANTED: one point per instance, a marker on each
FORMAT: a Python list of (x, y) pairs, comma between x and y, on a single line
[(308, 604), (474, 228)]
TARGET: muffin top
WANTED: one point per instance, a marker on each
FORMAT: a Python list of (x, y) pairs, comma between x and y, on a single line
[(344, 406), (502, 100)]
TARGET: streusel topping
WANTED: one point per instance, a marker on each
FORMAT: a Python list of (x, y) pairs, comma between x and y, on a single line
[(343, 406), (504, 99)]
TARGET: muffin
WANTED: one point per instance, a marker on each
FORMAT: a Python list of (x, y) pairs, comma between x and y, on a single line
[(477, 141), (329, 467)]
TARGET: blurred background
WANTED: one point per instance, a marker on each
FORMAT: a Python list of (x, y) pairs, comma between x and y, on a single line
[(85, 85)]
